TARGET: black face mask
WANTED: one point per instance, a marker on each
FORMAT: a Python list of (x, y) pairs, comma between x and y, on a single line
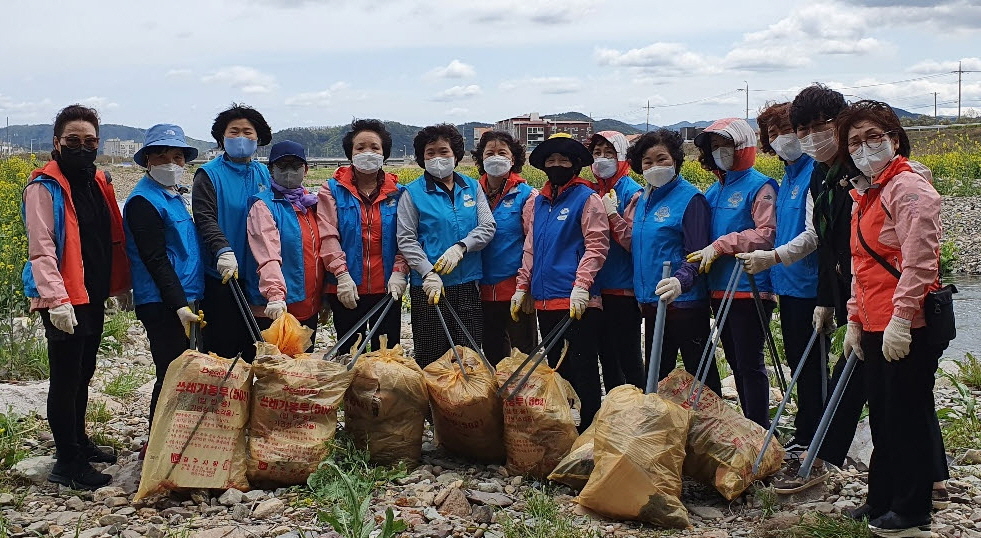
[(560, 175), (78, 159)]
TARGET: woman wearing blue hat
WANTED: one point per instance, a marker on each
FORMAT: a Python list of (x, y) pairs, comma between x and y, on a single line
[(163, 248), (220, 204)]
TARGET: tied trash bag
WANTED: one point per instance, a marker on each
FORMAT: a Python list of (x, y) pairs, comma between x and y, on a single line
[(722, 443), (575, 468), (467, 414), (639, 450), (386, 405), (289, 335), (193, 396), (294, 415), (539, 428)]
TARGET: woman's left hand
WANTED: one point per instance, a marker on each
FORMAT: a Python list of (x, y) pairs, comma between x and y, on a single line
[(896, 339)]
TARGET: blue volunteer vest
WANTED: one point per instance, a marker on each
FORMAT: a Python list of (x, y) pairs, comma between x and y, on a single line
[(558, 243), (443, 221), (502, 256), (183, 248), (732, 211), (798, 279), (617, 272), (349, 226), (58, 211), (290, 247), (658, 236), (235, 184)]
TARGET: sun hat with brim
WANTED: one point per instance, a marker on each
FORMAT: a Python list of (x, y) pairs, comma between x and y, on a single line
[(563, 144), (165, 135), (287, 148)]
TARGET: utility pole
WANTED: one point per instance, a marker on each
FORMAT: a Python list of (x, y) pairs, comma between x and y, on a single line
[(960, 72), (647, 127), (936, 118), (747, 100)]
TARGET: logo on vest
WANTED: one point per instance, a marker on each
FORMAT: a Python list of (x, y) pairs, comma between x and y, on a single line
[(795, 192), (468, 200), (508, 203), (663, 213), (563, 214), (735, 199)]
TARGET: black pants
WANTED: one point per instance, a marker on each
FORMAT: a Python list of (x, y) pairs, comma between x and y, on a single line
[(581, 364), (165, 333), (841, 431), (226, 333), (908, 454), (345, 318), (742, 340), (685, 330), (619, 342), (428, 337), (796, 316), (501, 333)]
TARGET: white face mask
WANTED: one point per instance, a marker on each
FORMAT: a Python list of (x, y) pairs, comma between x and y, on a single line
[(168, 175), (289, 178), (497, 166), (440, 167), (658, 176), (821, 145), (872, 161), (723, 157), (604, 168), (787, 147), (368, 162)]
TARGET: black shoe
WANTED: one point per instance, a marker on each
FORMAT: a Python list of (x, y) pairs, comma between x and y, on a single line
[(894, 525), (94, 454), (864, 512), (77, 474)]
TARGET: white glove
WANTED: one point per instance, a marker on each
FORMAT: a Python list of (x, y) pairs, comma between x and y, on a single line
[(578, 300), (432, 286), (449, 260), (125, 301), (823, 319), (853, 340), (396, 285), (611, 203), (347, 291), (63, 317), (758, 260), (896, 339), (187, 317), (227, 266), (517, 301), (668, 289), (706, 256), (275, 309)]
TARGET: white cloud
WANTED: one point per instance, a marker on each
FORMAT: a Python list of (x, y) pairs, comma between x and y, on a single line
[(666, 59), (99, 103), (539, 12), (457, 93), (310, 99), (455, 69), (246, 79), (545, 85), (946, 15), (457, 111), (929, 67), (30, 109), (339, 86), (179, 73)]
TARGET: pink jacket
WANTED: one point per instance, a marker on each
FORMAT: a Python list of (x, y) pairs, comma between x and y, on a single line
[(39, 218)]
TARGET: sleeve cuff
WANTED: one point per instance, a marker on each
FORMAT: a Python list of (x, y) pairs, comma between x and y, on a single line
[(222, 251), (905, 314)]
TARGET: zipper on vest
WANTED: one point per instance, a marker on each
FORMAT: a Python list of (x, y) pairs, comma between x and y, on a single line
[(366, 258)]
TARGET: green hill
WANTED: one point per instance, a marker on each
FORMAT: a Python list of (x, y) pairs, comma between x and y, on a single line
[(41, 134)]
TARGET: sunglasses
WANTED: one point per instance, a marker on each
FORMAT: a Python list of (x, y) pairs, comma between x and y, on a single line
[(73, 142)]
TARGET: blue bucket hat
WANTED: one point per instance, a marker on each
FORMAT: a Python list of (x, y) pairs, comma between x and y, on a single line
[(287, 148), (166, 135)]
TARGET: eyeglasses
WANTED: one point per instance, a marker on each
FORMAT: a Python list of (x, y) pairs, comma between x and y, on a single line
[(870, 140), (73, 142), (813, 127)]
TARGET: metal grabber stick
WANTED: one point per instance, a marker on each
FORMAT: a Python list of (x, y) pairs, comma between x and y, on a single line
[(708, 354), (371, 332), (357, 326), (558, 329), (654, 362), (544, 354), (829, 413), (768, 334)]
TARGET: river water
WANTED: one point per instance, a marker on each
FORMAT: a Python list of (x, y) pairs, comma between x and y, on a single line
[(967, 309)]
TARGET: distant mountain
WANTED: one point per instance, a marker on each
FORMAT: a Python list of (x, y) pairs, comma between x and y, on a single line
[(467, 131), (23, 135), (905, 113), (568, 116), (615, 125), (326, 141)]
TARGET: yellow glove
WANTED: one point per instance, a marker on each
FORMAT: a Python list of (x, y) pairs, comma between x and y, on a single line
[(516, 303), (706, 257)]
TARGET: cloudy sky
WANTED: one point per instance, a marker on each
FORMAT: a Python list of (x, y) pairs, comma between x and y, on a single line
[(322, 62)]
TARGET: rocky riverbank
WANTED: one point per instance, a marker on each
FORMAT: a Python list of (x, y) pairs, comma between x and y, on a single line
[(961, 220)]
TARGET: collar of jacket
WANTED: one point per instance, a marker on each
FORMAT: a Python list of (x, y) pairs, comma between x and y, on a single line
[(431, 181)]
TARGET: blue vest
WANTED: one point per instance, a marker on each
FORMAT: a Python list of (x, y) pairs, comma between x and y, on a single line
[(798, 279), (502, 256), (732, 211), (349, 227), (443, 221), (235, 184), (58, 210), (182, 244), (558, 243), (617, 272), (658, 236), (290, 248)]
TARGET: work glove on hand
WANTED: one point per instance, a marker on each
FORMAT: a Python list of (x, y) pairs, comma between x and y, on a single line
[(896, 339), (611, 203), (517, 303), (668, 289), (853, 340), (758, 260), (347, 291), (227, 266), (528, 306), (823, 319), (396, 285), (63, 317), (187, 317), (432, 286), (124, 301), (450, 259), (578, 301), (705, 257), (275, 309)]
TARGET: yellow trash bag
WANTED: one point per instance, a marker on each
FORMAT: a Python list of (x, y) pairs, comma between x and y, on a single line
[(467, 416), (294, 415), (193, 400), (539, 428), (575, 468), (639, 449), (722, 443), (289, 335), (386, 405)]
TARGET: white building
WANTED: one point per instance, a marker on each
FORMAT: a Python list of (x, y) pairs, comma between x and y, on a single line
[(115, 147)]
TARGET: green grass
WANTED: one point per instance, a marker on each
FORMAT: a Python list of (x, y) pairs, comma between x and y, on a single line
[(22, 358), (542, 518), (959, 423), (13, 430), (115, 332), (125, 384), (818, 525), (766, 497), (969, 371), (948, 257), (98, 416)]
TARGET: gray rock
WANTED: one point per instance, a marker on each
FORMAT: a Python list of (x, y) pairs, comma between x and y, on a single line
[(241, 512), (706, 512), (268, 508), (113, 519), (455, 504), (107, 492), (127, 476), (65, 519), (253, 496), (971, 457), (25, 399), (490, 499), (431, 514), (861, 449), (448, 478), (74, 503), (8, 499), (483, 514), (34, 469), (489, 487), (93, 533), (128, 511), (113, 502), (231, 497), (222, 532), (39, 527), (176, 511)]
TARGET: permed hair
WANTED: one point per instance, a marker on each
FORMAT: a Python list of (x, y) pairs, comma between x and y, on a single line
[(772, 114), (671, 140), (375, 126), (816, 102), (428, 135), (875, 112), (240, 112), (517, 150), (72, 113)]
